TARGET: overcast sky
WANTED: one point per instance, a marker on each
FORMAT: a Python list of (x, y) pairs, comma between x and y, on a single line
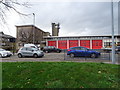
[(75, 18)]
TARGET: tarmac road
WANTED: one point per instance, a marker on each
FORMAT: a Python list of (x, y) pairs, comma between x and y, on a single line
[(51, 57), (47, 57)]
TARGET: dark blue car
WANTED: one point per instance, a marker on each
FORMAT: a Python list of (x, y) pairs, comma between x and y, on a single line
[(82, 51)]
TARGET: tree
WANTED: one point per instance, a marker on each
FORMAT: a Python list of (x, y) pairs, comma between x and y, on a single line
[(26, 36), (8, 5)]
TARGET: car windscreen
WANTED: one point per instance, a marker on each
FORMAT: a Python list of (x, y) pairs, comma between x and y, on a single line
[(2, 50), (46, 47)]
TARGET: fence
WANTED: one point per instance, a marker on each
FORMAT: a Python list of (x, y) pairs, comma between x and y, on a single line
[(104, 57)]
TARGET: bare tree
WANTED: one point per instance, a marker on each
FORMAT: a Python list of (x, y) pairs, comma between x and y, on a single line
[(26, 36), (8, 5)]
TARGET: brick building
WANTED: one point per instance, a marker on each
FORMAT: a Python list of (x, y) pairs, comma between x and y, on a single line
[(30, 34), (7, 42)]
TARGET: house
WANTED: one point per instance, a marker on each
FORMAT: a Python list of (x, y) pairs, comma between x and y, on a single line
[(7, 42)]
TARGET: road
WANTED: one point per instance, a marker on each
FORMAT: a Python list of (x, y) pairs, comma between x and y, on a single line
[(47, 57), (105, 57)]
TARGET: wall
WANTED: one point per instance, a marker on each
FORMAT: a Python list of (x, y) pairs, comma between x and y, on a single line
[(29, 34)]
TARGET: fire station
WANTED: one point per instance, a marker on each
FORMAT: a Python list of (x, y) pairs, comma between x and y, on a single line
[(91, 42)]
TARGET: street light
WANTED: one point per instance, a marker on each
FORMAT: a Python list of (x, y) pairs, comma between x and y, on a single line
[(33, 18), (113, 44), (33, 27)]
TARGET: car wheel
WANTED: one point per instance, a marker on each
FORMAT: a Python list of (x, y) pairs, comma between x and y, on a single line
[(35, 55), (72, 55), (93, 55), (0, 56), (20, 55)]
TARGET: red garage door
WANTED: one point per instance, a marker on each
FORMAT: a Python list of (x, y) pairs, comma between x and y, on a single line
[(85, 43), (52, 43), (62, 44), (96, 44), (73, 43)]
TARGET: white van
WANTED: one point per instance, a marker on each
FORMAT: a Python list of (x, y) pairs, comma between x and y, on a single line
[(30, 45)]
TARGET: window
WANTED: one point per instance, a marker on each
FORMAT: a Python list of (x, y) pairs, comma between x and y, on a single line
[(46, 47), (29, 49), (52, 47), (23, 49), (77, 48), (73, 48), (2, 50), (82, 48)]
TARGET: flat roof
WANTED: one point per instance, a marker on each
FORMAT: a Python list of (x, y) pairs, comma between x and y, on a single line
[(29, 26), (80, 36)]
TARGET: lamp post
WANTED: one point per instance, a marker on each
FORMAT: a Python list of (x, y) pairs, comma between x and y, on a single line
[(33, 28), (33, 18), (113, 44)]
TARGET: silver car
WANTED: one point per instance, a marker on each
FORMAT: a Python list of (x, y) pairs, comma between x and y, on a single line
[(29, 51), (5, 53)]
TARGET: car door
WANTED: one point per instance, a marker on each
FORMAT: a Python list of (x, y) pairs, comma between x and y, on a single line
[(29, 52), (53, 49), (78, 51), (81, 51), (50, 48), (23, 51), (84, 51)]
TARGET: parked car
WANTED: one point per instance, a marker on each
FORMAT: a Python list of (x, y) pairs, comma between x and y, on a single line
[(5, 53), (48, 49), (30, 51), (30, 45), (118, 48), (82, 51), (107, 50)]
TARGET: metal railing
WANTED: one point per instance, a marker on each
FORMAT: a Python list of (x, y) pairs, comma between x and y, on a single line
[(104, 57)]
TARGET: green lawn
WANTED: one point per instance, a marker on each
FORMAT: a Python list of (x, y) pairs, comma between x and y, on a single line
[(59, 75)]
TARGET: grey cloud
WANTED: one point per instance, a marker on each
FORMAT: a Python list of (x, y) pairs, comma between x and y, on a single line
[(93, 18)]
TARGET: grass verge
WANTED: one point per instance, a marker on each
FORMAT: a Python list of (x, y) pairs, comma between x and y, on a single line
[(59, 75)]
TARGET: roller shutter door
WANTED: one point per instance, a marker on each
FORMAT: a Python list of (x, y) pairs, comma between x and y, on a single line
[(73, 43), (96, 44), (85, 43), (62, 44), (52, 43)]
